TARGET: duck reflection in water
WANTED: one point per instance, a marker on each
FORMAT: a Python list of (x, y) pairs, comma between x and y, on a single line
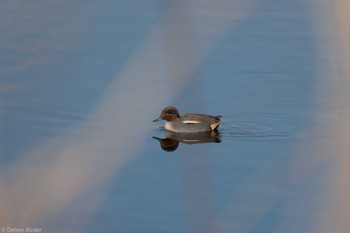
[(171, 142)]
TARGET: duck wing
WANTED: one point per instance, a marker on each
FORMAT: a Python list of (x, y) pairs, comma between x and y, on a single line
[(203, 119), (194, 118)]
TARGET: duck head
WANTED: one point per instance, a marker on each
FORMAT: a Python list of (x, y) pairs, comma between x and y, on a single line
[(169, 113)]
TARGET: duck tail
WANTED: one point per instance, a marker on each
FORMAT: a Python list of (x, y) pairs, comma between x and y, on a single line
[(218, 118)]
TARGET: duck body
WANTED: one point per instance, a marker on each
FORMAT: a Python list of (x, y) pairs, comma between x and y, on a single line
[(188, 123)]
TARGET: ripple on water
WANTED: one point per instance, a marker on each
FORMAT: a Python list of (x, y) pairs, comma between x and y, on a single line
[(259, 129)]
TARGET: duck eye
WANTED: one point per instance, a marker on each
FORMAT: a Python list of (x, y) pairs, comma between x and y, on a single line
[(171, 112)]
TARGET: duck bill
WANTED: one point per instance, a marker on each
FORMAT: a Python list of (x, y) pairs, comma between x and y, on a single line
[(158, 119)]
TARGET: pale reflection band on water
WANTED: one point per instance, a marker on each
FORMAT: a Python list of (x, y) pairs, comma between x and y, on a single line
[(59, 172), (332, 202), (342, 111)]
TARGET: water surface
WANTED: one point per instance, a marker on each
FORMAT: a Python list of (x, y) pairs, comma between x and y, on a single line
[(81, 83)]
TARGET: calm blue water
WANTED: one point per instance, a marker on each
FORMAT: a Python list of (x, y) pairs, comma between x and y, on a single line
[(57, 60)]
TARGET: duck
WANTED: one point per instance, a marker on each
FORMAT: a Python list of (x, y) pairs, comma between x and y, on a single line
[(188, 123)]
